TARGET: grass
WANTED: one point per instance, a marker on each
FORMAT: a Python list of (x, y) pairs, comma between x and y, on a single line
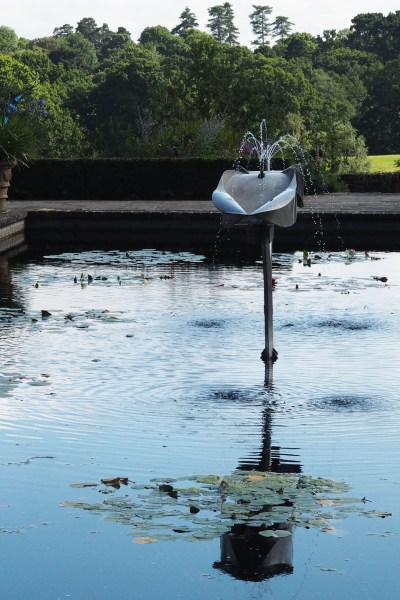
[(384, 164)]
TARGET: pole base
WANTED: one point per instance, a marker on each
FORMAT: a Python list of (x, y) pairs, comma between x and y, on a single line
[(273, 358)]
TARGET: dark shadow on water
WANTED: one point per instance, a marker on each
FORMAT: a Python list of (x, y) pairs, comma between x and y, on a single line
[(246, 553)]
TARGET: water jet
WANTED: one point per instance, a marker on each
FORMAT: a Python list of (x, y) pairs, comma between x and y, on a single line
[(259, 200)]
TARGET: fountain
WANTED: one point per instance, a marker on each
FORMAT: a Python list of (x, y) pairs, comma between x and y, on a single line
[(260, 200)]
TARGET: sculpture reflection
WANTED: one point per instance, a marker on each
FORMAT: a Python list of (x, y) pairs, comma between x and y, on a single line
[(247, 555), (255, 553)]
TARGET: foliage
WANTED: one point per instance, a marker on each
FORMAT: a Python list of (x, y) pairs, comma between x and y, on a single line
[(198, 508), (20, 127), (281, 27), (8, 40), (261, 25), (188, 21), (221, 23), (110, 97)]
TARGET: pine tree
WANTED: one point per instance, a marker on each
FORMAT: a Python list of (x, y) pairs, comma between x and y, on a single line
[(281, 27), (261, 25), (221, 23), (188, 21)]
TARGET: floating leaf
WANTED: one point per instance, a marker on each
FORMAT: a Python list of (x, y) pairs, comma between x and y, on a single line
[(144, 540), (258, 500), (83, 485), (375, 513), (276, 533), (115, 481), (258, 477)]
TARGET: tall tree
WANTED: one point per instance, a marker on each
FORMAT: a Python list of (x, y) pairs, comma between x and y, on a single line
[(374, 32), (221, 24), (281, 27), (65, 29), (261, 25), (8, 40), (188, 21)]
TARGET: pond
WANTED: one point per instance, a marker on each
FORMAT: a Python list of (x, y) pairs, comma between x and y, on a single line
[(143, 367)]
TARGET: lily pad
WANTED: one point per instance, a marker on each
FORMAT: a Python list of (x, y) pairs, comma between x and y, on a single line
[(275, 533), (270, 502)]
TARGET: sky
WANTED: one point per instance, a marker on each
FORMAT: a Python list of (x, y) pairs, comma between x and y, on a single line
[(38, 18)]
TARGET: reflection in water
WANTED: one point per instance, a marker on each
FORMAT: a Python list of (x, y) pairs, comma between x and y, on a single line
[(249, 556), (88, 394), (256, 553), (10, 296), (5, 282)]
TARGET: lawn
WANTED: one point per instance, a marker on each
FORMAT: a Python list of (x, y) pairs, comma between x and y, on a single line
[(385, 163)]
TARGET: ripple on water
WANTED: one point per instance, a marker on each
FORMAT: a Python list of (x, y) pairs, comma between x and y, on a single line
[(208, 323), (348, 325), (348, 403)]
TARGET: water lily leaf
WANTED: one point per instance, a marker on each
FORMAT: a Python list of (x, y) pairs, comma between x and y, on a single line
[(375, 513), (144, 540), (168, 508), (83, 484), (277, 533), (257, 477), (115, 481)]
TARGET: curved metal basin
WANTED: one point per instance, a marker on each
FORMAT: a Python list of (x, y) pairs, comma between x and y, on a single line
[(245, 198)]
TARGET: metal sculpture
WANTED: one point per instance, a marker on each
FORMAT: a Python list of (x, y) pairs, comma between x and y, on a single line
[(261, 199)]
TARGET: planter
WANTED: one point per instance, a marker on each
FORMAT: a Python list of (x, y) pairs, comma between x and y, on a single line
[(5, 178)]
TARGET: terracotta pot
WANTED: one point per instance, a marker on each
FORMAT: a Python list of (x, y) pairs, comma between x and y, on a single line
[(5, 178)]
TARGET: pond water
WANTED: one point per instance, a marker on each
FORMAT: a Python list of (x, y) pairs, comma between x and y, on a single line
[(146, 366)]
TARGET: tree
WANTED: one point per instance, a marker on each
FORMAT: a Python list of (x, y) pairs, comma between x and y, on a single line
[(63, 30), (188, 21), (8, 40), (88, 28), (261, 24), (344, 150), (281, 27), (114, 42), (73, 51), (221, 24), (59, 134), (378, 120), (40, 63), (297, 45), (132, 84), (373, 32)]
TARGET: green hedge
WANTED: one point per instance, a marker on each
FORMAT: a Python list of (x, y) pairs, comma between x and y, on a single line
[(117, 179), (386, 183), (158, 179)]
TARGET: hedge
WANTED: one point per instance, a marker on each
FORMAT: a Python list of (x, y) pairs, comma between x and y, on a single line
[(157, 179)]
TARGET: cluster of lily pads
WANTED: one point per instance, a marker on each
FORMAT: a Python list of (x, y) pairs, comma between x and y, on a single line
[(205, 507)]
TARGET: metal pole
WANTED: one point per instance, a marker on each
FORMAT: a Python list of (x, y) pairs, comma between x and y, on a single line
[(269, 354)]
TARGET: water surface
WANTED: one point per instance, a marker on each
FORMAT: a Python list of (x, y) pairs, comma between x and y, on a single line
[(148, 366)]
